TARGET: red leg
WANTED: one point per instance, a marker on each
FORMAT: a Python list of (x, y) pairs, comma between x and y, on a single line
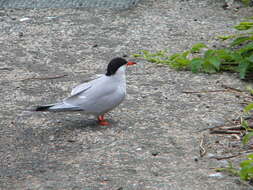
[(102, 121)]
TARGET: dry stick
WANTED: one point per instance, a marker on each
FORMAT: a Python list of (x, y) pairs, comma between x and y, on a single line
[(227, 157), (224, 132), (202, 150), (230, 88), (204, 91), (44, 78), (232, 156), (236, 127), (227, 89), (6, 68)]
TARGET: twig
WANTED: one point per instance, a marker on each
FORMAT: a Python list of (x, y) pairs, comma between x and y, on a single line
[(232, 127), (230, 88), (202, 150), (224, 132), (236, 128), (6, 69), (227, 89), (227, 157), (203, 91), (232, 156), (236, 91), (44, 78)]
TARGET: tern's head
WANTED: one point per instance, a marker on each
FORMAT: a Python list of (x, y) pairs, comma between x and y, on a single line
[(115, 64)]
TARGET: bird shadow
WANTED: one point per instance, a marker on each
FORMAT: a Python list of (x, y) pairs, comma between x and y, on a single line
[(87, 124)]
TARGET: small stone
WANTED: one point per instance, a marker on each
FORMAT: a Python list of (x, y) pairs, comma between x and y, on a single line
[(196, 159), (216, 175), (223, 163), (155, 174), (155, 153), (51, 138), (210, 155), (24, 19), (71, 140), (20, 34), (225, 6)]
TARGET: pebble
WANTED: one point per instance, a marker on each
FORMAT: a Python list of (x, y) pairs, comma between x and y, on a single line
[(24, 19), (210, 155), (216, 175)]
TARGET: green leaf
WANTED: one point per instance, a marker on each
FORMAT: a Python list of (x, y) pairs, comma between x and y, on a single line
[(160, 53), (145, 52), (250, 58), (246, 171), (153, 60), (236, 56), (240, 40), (224, 54), (248, 108), (244, 50), (208, 67), (250, 156), (209, 53), (244, 26), (215, 62), (246, 163), (181, 62), (250, 89), (245, 125), (197, 47), (246, 2), (242, 68), (226, 37), (246, 138), (196, 64), (185, 54), (174, 56), (137, 55)]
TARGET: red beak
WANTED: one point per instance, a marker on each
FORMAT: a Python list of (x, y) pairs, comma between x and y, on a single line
[(131, 63)]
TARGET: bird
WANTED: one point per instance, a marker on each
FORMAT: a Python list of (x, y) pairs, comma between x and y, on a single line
[(98, 96)]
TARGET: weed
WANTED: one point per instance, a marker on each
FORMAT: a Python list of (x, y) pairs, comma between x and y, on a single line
[(238, 57)]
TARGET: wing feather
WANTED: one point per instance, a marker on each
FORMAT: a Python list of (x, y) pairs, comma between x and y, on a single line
[(83, 87)]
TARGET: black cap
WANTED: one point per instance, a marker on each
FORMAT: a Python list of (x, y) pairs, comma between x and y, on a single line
[(114, 65)]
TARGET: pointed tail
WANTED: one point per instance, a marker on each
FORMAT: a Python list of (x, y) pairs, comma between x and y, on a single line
[(43, 108), (57, 107)]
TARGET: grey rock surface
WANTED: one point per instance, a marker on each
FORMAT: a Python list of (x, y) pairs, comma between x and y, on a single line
[(153, 141), (120, 4)]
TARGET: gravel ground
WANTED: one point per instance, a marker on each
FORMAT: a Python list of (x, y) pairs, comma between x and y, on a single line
[(120, 4), (153, 141)]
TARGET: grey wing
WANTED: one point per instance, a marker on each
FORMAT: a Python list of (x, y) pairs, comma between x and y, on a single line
[(83, 87), (76, 99), (80, 88)]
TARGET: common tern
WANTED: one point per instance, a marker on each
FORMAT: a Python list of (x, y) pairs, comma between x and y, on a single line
[(98, 96)]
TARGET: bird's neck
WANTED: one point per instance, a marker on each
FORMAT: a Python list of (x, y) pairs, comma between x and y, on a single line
[(120, 74)]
